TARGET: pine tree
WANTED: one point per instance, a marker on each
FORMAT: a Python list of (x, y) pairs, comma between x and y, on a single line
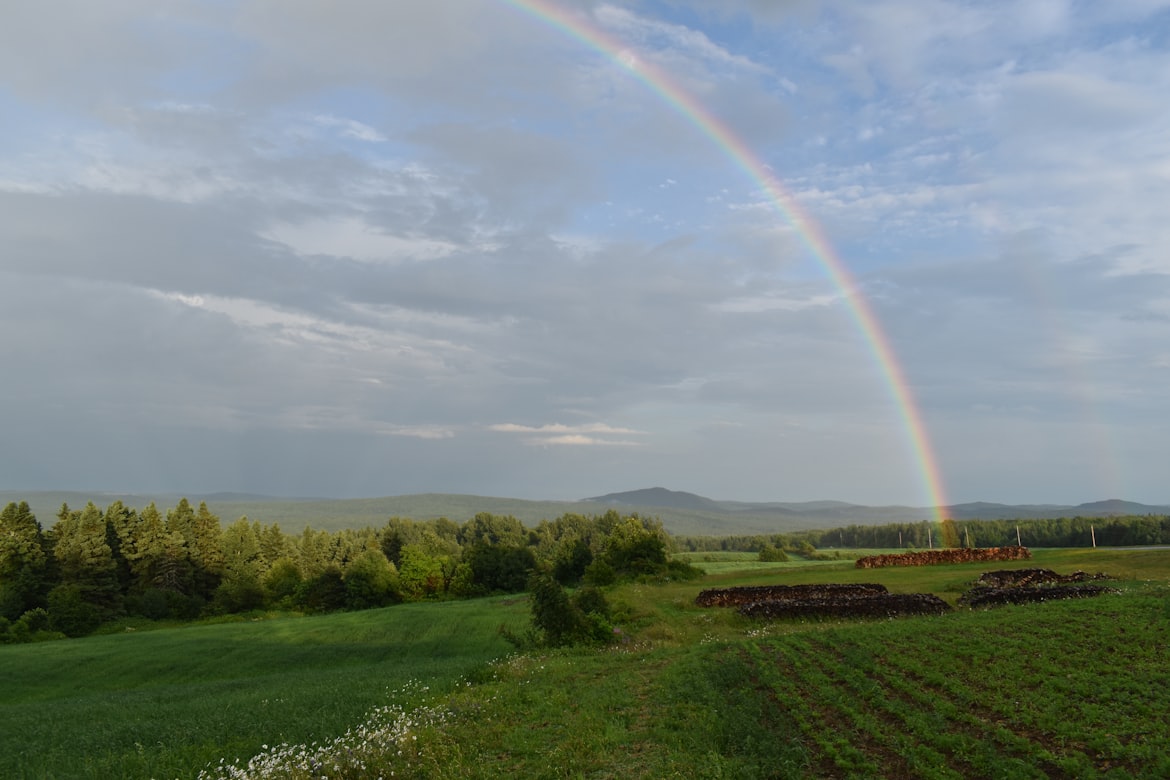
[(274, 545), (120, 522), (158, 555), (240, 586), (23, 561), (206, 548), (86, 561)]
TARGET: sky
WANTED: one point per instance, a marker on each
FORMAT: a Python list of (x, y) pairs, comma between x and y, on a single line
[(366, 248)]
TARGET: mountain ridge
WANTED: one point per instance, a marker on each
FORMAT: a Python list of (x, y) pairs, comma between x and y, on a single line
[(681, 513)]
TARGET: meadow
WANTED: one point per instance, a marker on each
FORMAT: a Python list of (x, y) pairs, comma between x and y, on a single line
[(1058, 689)]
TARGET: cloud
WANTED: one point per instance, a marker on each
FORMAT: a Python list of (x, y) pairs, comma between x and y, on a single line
[(557, 428), (577, 440), (349, 128), (277, 246), (559, 435), (354, 238)]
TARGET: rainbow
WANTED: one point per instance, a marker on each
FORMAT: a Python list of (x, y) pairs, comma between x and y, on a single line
[(581, 29)]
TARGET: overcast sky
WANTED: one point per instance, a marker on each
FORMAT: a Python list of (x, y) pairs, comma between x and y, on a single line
[(367, 248)]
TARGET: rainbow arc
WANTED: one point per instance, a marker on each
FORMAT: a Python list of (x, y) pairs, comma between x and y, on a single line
[(810, 232)]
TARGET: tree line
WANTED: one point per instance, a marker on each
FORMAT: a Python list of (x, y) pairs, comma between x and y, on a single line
[(94, 566), (1121, 531)]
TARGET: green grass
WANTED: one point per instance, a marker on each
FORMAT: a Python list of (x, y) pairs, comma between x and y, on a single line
[(163, 703), (1060, 689), (723, 562)]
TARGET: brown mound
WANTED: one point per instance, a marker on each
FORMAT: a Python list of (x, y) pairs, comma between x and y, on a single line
[(1023, 586), (1022, 578), (953, 555), (730, 597), (876, 605), (988, 597)]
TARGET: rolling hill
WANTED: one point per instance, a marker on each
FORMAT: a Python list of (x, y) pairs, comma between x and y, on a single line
[(682, 513)]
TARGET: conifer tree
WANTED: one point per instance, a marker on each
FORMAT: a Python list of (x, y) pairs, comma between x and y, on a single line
[(240, 587), (159, 555), (274, 545), (86, 561), (206, 549), (23, 561), (120, 522)]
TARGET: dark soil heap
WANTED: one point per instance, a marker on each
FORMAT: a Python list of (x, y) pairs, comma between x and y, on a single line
[(1023, 586), (835, 600), (950, 555), (747, 594), (874, 606)]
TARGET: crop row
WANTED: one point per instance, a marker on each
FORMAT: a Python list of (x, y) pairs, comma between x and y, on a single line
[(1037, 692)]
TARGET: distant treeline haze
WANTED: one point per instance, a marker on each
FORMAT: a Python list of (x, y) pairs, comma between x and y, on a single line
[(1130, 531), (98, 565)]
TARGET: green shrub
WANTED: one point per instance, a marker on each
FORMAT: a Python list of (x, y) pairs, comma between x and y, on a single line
[(71, 614), (772, 554), (559, 620), (599, 573), (323, 593), (572, 560), (238, 594), (370, 581), (282, 582), (152, 604)]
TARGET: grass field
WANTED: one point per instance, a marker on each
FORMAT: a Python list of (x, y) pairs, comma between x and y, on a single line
[(1060, 689), (728, 562), (164, 703)]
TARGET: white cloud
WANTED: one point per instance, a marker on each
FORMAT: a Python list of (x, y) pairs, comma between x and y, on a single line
[(577, 440), (557, 428), (350, 128), (355, 238), (685, 40)]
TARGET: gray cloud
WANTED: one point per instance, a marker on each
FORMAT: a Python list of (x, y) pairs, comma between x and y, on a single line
[(384, 248)]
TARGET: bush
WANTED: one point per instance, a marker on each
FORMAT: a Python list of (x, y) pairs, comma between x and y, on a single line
[(71, 614), (33, 626), (599, 573), (152, 604), (238, 594), (498, 568), (559, 620), (772, 554), (572, 560), (323, 593), (370, 581), (282, 582)]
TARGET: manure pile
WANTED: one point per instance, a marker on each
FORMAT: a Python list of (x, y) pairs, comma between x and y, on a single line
[(877, 605), (837, 600), (747, 594), (951, 555), (1023, 586)]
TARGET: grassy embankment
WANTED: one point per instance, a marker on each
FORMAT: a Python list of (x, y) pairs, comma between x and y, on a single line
[(1061, 689)]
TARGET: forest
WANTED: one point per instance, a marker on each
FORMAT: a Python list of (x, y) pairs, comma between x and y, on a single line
[(1122, 531), (95, 566)]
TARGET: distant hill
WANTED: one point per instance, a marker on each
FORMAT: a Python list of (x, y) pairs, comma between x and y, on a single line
[(661, 497), (828, 514), (681, 513)]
